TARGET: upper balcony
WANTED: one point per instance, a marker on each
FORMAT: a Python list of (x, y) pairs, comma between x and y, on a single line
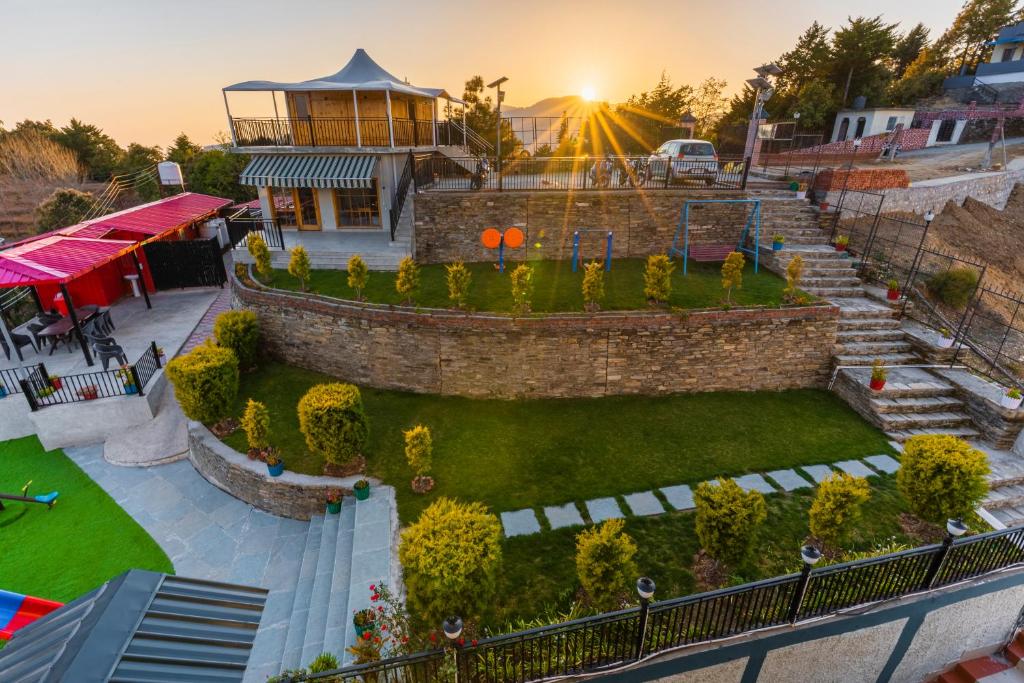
[(343, 131)]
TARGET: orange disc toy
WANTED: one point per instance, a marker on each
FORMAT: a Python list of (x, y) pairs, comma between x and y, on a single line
[(513, 238), (491, 238)]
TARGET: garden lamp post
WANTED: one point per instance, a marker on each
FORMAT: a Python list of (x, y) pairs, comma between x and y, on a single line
[(792, 142), (645, 588), (762, 92), (452, 627), (810, 556), (497, 142), (929, 216), (955, 528)]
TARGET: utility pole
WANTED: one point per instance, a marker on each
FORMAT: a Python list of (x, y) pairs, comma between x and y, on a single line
[(500, 96)]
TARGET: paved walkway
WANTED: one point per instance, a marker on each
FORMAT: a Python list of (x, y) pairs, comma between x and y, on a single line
[(204, 330), (680, 497)]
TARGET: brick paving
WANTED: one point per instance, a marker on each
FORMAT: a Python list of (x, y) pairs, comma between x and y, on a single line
[(204, 330)]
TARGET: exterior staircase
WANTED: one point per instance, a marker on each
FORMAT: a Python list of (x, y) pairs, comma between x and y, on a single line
[(1001, 667), (341, 556)]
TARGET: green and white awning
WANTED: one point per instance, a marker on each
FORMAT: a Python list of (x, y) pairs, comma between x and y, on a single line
[(309, 170)]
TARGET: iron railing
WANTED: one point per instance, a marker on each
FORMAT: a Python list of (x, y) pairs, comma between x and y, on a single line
[(42, 389), (10, 379), (401, 191), (993, 332), (240, 227), (612, 640), (324, 131), (441, 173)]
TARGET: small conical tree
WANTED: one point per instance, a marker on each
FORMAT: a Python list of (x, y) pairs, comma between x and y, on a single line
[(593, 286), (260, 254), (658, 278), (358, 275), (408, 280), (256, 423), (298, 265), (458, 278), (794, 271), (732, 274), (522, 288), (419, 449)]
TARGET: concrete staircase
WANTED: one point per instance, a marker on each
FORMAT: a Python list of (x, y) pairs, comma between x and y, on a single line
[(1004, 666), (341, 556)]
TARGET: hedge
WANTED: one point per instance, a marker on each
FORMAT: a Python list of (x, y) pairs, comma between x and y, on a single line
[(240, 332), (205, 381), (332, 419)]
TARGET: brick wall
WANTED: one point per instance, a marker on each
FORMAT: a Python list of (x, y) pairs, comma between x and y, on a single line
[(860, 179), (446, 352)]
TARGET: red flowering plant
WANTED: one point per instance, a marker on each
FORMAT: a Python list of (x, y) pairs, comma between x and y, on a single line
[(393, 624)]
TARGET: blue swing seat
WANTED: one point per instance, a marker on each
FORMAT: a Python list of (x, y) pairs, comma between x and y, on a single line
[(48, 498)]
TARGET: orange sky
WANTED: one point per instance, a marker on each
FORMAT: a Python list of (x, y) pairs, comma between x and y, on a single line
[(143, 71)]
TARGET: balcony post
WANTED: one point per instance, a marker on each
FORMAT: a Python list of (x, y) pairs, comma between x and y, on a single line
[(391, 123), (464, 143), (433, 122), (231, 121), (355, 108)]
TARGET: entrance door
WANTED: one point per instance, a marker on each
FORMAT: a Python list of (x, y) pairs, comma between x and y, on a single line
[(946, 129), (306, 209), (844, 129)]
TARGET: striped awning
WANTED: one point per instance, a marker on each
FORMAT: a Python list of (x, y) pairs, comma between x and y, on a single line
[(309, 170)]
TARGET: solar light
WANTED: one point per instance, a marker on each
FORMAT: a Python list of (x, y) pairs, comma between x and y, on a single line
[(956, 527), (452, 627), (645, 587), (929, 216), (810, 555)]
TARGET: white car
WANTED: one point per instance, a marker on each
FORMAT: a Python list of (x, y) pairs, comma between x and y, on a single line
[(684, 160)]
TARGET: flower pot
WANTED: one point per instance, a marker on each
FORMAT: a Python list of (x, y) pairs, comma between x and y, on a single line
[(360, 630), (131, 389), (945, 343), (823, 206), (840, 247), (333, 508), (163, 358), (892, 295), (801, 194), (1011, 403), (3, 392), (275, 470), (777, 246), (56, 383), (362, 494), (876, 384)]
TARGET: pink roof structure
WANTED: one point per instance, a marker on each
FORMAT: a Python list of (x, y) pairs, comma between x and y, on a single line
[(154, 219)]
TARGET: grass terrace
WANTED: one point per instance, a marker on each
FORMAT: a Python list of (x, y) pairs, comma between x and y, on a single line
[(556, 287), (83, 541)]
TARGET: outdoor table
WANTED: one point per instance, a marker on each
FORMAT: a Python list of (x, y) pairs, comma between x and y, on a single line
[(61, 330)]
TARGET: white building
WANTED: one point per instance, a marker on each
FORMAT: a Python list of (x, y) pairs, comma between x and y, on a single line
[(858, 123)]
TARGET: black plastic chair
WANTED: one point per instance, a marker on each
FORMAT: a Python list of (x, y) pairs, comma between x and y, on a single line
[(106, 350), (20, 342)]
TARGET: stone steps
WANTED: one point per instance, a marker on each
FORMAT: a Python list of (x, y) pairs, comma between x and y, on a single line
[(868, 324), (291, 659), (870, 334), (832, 280), (1003, 497), (338, 616), (896, 422), (962, 432), (886, 358), (828, 292), (875, 349), (323, 585), (915, 404), (1010, 517), (861, 307)]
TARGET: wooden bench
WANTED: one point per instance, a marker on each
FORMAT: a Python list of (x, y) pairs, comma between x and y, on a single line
[(711, 252)]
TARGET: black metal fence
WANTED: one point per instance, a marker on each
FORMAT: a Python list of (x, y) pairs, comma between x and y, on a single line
[(994, 330), (791, 154), (185, 263), (41, 389), (401, 191), (10, 379), (240, 227), (607, 641), (578, 173)]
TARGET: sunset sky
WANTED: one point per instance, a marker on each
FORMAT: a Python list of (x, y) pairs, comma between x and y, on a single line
[(146, 70)]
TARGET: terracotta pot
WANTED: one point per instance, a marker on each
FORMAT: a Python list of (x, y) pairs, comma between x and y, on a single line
[(893, 295), (840, 247), (876, 384)]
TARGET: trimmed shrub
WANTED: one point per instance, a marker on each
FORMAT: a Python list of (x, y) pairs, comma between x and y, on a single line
[(419, 449), (358, 274), (953, 287), (728, 519), (941, 476), (658, 278), (331, 418), (458, 278), (836, 508), (450, 560), (732, 274), (205, 381), (324, 661), (794, 272), (240, 332), (256, 423), (408, 281), (605, 563), (522, 288), (260, 254), (593, 285), (298, 265)]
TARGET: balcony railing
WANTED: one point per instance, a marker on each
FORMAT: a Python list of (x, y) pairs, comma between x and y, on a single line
[(319, 131)]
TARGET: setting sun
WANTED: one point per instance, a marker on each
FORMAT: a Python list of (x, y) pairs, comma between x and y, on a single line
[(589, 93)]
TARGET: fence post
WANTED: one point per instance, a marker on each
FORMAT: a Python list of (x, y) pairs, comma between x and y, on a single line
[(810, 555), (27, 390), (645, 587), (746, 172), (412, 169), (156, 354), (135, 378), (280, 233), (939, 559)]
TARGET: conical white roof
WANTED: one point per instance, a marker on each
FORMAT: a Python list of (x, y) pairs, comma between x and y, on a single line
[(361, 73)]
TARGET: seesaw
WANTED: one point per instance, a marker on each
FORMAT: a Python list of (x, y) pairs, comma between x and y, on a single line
[(47, 499)]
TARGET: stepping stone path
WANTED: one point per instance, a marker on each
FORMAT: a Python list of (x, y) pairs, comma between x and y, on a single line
[(789, 480), (644, 503), (601, 509), (563, 516), (680, 497), (520, 523)]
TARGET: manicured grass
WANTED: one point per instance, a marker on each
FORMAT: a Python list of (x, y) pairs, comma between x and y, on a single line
[(531, 453), (84, 540), (556, 287)]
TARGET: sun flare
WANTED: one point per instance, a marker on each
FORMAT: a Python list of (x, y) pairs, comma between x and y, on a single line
[(588, 93)]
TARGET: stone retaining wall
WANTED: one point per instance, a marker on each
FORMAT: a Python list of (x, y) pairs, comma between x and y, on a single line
[(294, 495), (991, 188), (448, 224), (566, 355)]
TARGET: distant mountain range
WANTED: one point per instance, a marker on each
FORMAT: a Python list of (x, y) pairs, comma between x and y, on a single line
[(538, 123)]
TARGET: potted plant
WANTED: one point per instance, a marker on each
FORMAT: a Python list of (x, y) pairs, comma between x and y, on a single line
[(841, 242), (333, 501), (362, 489), (161, 355), (55, 382), (275, 465), (823, 206), (893, 293), (1011, 399), (364, 621), (3, 390), (801, 191), (878, 375), (127, 379), (778, 240), (43, 392), (89, 392), (945, 338)]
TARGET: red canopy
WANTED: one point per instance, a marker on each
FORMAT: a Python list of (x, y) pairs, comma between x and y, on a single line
[(154, 219)]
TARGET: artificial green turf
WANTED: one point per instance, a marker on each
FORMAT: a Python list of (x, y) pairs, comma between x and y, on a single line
[(531, 453), (556, 287), (84, 540)]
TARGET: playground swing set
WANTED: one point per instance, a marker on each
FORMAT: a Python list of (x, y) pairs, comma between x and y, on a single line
[(717, 251)]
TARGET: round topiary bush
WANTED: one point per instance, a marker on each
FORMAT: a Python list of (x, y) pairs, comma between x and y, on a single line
[(450, 560), (240, 332), (941, 476), (728, 519), (205, 382), (605, 564), (836, 507), (331, 418)]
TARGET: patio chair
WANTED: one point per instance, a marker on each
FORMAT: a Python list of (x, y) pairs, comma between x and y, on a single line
[(33, 329), (103, 316), (20, 342), (107, 350)]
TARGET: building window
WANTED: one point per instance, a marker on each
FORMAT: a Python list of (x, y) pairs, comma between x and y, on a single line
[(891, 123), (861, 123), (1008, 54), (357, 206), (282, 203)]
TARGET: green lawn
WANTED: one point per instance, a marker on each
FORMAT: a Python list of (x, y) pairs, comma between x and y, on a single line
[(84, 540), (556, 287), (515, 454)]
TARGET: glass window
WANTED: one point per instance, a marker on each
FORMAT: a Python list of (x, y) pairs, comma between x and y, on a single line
[(307, 205), (357, 206), (861, 123), (699, 149), (1008, 54), (283, 203), (891, 123)]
